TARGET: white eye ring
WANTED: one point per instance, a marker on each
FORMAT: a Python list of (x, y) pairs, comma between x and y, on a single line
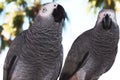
[(44, 10), (109, 14)]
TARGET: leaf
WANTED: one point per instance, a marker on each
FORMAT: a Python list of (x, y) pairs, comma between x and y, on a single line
[(9, 1), (18, 22), (5, 42), (1, 6), (14, 20), (99, 3), (109, 4), (31, 12), (22, 3), (1, 28)]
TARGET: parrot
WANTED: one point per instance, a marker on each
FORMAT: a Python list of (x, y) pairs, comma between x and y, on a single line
[(37, 53), (94, 51)]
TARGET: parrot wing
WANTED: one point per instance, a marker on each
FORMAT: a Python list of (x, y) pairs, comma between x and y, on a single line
[(77, 56), (12, 56)]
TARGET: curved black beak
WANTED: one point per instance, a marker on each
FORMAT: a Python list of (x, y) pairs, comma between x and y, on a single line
[(59, 14), (107, 22)]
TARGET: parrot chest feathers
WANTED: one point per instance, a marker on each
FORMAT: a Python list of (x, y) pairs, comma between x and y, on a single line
[(43, 46), (104, 43)]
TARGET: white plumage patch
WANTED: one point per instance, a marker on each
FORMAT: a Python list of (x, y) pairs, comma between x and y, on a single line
[(47, 9), (103, 13)]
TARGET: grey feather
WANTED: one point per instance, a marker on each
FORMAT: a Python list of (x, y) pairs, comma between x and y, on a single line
[(93, 53), (37, 54)]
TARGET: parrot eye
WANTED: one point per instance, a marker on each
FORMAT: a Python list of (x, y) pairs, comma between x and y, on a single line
[(55, 5), (104, 15), (44, 10)]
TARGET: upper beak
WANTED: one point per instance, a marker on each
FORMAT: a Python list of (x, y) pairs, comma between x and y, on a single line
[(107, 22), (59, 14)]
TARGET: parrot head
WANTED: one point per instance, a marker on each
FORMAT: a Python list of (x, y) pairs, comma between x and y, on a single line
[(107, 18), (53, 10)]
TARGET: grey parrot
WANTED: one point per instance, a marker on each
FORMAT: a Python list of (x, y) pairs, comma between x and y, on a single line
[(93, 52), (36, 53)]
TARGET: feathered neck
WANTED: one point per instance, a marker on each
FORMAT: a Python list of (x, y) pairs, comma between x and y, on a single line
[(46, 25), (103, 41)]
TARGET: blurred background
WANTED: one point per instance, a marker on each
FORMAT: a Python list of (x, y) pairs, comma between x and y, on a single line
[(18, 15)]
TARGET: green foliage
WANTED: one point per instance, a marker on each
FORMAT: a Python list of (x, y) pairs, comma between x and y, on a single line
[(18, 2), (5, 42), (14, 19), (1, 7), (31, 12), (8, 1), (17, 23), (1, 28), (106, 4)]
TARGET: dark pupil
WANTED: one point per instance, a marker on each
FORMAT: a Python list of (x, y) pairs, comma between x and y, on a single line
[(54, 5)]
